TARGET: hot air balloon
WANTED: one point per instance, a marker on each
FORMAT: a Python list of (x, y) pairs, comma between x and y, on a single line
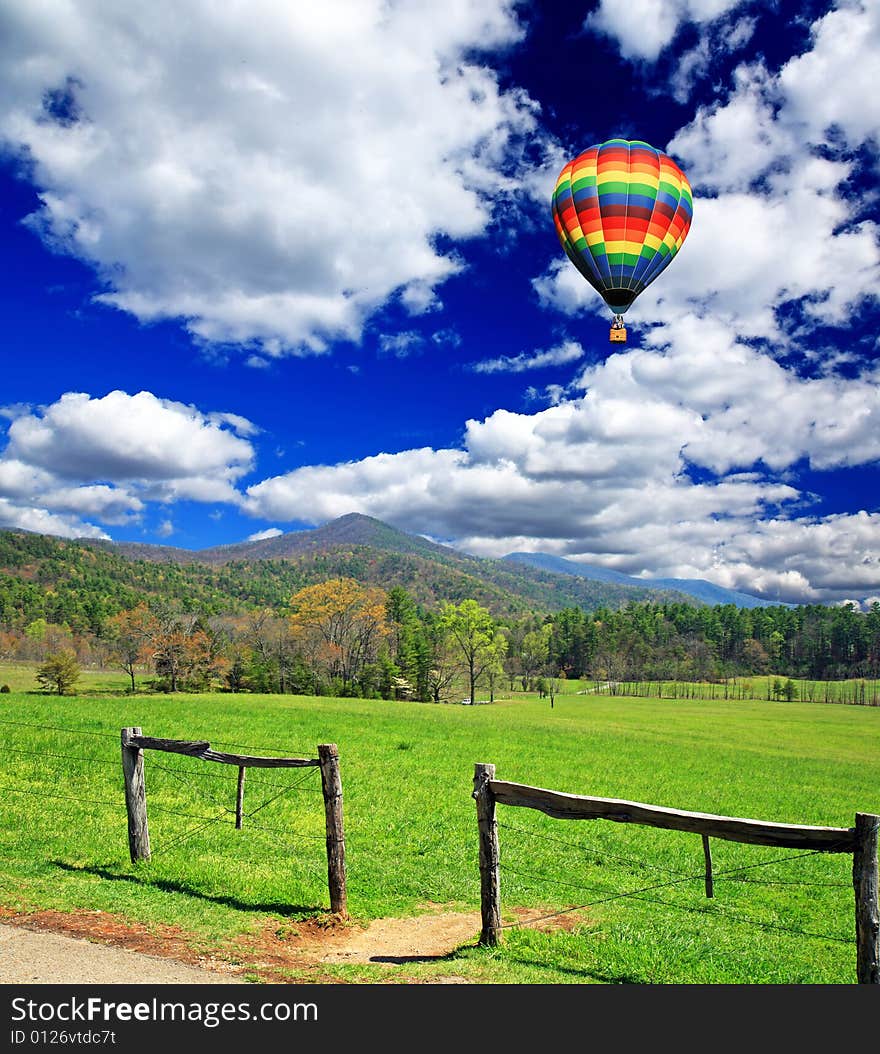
[(622, 210)]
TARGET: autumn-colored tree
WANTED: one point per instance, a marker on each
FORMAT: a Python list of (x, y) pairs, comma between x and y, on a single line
[(169, 647), (130, 633), (206, 659), (43, 639), (9, 642), (340, 624), (182, 649)]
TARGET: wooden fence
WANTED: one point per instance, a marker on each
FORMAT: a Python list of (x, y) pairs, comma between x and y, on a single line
[(134, 744), (860, 840)]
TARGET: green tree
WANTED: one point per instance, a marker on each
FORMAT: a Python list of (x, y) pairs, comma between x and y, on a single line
[(534, 652), (476, 637), (59, 673), (553, 681)]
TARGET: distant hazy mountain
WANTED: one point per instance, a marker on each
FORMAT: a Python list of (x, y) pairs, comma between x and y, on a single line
[(698, 588)]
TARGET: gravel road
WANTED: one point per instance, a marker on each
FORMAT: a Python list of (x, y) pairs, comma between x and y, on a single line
[(29, 957)]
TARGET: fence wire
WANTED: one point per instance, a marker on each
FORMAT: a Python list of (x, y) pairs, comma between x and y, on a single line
[(734, 873)]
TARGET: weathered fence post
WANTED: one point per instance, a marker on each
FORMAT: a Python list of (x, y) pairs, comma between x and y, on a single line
[(707, 857), (135, 797), (867, 912), (331, 784), (490, 886), (239, 797)]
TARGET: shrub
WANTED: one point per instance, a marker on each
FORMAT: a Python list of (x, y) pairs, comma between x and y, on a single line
[(5, 689), (59, 673)]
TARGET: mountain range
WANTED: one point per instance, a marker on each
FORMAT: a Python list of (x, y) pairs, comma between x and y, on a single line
[(83, 580), (538, 578)]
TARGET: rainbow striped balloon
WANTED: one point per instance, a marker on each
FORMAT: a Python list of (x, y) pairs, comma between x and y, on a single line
[(622, 210)]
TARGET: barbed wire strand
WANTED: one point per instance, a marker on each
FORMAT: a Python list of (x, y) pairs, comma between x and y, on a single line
[(64, 797), (581, 847), (637, 893), (66, 757), (58, 728), (252, 812), (115, 735), (153, 807), (180, 779), (309, 773), (586, 849), (211, 775), (293, 752)]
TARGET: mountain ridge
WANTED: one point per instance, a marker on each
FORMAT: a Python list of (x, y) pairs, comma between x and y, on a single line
[(267, 571), (698, 588), (342, 547)]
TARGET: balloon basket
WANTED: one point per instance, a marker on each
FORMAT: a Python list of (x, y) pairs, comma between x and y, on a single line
[(617, 335)]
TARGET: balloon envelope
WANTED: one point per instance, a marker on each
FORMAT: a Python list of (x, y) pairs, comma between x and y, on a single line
[(622, 210)]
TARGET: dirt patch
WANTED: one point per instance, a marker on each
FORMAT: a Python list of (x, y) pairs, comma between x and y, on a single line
[(284, 951)]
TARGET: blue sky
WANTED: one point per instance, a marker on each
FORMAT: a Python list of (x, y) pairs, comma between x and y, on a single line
[(268, 264)]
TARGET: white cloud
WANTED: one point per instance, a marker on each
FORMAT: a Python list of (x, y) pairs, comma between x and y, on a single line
[(129, 437), (269, 173), (835, 83), (270, 532), (107, 457), (401, 345), (609, 477), (26, 518), (643, 28), (563, 354)]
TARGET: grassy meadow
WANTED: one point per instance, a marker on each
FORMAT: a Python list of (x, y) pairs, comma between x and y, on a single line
[(778, 916)]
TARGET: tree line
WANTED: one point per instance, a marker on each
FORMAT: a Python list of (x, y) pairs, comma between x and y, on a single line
[(341, 637)]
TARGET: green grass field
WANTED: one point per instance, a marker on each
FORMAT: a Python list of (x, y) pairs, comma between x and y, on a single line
[(778, 916), (22, 677)]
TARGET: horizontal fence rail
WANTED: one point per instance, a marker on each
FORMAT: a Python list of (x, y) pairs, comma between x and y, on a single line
[(735, 829), (201, 749), (861, 841)]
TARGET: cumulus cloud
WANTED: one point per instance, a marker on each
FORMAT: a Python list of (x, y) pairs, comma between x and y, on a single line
[(673, 461), (157, 442), (828, 87), (41, 521), (260, 536), (643, 28), (268, 173), (106, 457), (563, 354)]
